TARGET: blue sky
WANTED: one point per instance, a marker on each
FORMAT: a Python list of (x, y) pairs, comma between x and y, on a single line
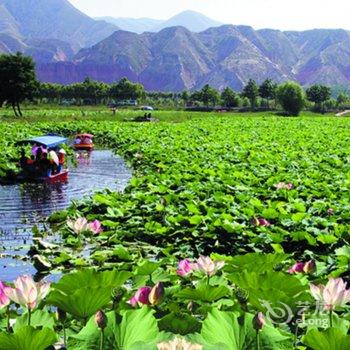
[(280, 14)]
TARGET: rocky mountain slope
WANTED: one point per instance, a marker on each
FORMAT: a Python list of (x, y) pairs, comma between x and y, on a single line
[(177, 59), (67, 46), (51, 20)]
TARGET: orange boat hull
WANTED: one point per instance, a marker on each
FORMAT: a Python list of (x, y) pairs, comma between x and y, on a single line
[(84, 147)]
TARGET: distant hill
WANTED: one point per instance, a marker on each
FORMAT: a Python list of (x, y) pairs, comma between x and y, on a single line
[(51, 19), (176, 58), (135, 25), (193, 21)]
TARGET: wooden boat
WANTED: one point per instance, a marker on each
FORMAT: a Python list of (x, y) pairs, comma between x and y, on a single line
[(50, 143), (86, 143)]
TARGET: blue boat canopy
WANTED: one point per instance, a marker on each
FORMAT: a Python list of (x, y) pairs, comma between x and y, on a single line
[(48, 141)]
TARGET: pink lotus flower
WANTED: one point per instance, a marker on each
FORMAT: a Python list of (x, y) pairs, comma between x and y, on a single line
[(27, 292), (260, 222), (283, 185), (208, 266), (333, 295), (4, 300), (95, 227), (79, 225), (141, 296), (185, 267)]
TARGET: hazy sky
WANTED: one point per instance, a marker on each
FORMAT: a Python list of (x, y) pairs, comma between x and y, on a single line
[(281, 14)]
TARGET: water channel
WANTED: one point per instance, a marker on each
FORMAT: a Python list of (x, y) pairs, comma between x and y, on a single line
[(25, 205)]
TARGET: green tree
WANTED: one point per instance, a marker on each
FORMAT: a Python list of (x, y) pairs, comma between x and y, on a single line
[(229, 98), (267, 90), (126, 90), (318, 94), (92, 92), (251, 91), (18, 80), (208, 95), (185, 96), (291, 96), (342, 99), (49, 91)]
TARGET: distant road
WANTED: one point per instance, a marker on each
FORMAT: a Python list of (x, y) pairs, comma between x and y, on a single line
[(342, 114)]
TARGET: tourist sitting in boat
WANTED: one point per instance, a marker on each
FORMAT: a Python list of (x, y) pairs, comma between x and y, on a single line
[(77, 140), (45, 168), (38, 154), (45, 164), (87, 141), (31, 160), (54, 162), (23, 159), (61, 159)]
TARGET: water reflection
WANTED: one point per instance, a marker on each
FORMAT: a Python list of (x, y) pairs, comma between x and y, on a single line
[(25, 205)]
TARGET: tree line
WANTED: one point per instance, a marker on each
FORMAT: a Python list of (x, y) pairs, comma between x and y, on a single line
[(19, 83)]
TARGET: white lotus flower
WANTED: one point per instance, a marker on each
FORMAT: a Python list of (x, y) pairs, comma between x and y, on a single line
[(208, 266), (178, 344), (332, 295)]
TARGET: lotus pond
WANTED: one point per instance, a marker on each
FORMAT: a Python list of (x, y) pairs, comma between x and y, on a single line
[(232, 234)]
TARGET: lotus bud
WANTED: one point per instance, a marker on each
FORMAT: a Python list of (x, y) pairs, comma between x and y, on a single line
[(297, 268), (101, 319), (310, 266), (260, 222), (255, 222), (190, 306), (259, 321), (156, 294), (141, 296)]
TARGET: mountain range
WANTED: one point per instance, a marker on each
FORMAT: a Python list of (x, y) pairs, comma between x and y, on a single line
[(53, 29), (193, 21), (67, 46)]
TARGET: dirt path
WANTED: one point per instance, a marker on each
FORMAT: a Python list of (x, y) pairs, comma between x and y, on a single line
[(343, 114)]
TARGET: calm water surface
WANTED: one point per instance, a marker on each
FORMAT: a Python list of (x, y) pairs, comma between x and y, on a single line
[(25, 205)]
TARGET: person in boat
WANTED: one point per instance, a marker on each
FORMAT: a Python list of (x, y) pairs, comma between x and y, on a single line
[(61, 159), (31, 165), (30, 161), (23, 159), (87, 141), (38, 154), (77, 140), (45, 165)]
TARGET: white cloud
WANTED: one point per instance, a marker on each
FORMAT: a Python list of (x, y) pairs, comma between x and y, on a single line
[(281, 14)]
